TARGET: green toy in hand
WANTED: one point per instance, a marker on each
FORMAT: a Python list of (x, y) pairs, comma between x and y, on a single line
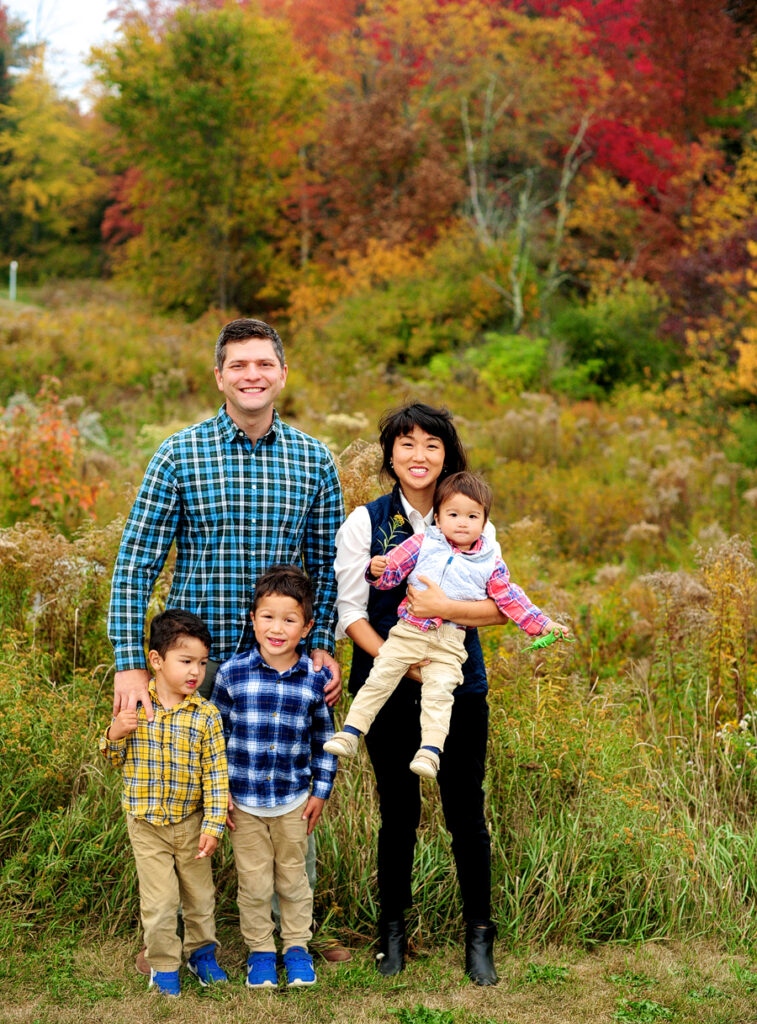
[(547, 639)]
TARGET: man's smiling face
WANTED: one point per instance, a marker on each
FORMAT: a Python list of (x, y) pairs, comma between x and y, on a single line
[(251, 378)]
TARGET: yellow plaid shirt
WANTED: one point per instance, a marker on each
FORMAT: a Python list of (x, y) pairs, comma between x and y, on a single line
[(174, 765)]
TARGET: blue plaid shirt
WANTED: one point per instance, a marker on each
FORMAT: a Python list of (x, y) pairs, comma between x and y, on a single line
[(275, 726), (234, 508)]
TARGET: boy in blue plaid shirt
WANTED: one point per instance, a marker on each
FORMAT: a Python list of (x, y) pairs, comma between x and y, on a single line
[(275, 722), (175, 795)]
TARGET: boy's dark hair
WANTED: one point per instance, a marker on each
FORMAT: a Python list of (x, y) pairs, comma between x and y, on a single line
[(470, 485), (244, 329), (166, 628), (437, 422), (288, 581)]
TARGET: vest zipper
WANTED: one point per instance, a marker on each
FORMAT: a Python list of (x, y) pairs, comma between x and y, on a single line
[(446, 566)]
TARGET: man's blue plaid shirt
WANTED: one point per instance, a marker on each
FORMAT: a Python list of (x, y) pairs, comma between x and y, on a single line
[(275, 725), (234, 509)]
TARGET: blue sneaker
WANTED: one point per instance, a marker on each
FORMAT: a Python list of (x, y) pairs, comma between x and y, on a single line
[(298, 964), (203, 964), (261, 970), (165, 982)]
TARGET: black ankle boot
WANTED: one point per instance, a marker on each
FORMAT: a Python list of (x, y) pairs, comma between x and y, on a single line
[(391, 956), (479, 958)]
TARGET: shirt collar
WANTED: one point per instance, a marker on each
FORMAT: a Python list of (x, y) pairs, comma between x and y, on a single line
[(229, 431), (413, 515), (301, 665), (190, 699)]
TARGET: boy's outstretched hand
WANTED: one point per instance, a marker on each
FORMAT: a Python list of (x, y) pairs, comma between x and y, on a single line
[(312, 811), (552, 632), (552, 626), (124, 723), (207, 846)]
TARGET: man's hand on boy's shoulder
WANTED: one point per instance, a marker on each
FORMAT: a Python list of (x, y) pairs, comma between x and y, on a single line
[(312, 812), (332, 691), (124, 723), (207, 846)]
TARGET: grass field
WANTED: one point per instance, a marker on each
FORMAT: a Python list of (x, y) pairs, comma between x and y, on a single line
[(622, 769), (690, 983)]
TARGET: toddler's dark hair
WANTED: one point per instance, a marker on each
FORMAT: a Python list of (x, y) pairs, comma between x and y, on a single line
[(470, 485), (289, 581), (167, 627)]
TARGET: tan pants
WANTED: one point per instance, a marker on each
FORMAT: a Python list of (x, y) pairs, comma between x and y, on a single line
[(270, 856), (405, 646), (170, 876)]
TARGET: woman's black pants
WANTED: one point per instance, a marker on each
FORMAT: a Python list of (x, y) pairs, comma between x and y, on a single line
[(392, 740)]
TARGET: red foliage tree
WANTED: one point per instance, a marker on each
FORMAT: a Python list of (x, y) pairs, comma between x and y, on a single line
[(384, 171), (315, 24)]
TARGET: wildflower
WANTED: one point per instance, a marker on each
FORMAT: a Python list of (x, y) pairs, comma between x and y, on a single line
[(391, 539)]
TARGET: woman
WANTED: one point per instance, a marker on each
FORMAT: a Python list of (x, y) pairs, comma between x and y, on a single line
[(420, 446)]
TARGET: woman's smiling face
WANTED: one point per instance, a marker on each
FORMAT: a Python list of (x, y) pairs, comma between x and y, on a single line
[(417, 460)]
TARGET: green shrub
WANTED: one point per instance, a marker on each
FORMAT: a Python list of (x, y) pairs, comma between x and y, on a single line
[(505, 364), (743, 447), (616, 338)]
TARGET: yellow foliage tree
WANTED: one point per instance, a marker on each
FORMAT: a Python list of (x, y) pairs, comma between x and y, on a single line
[(208, 108), (47, 186)]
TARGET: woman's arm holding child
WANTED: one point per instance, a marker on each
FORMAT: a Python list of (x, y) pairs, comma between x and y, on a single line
[(434, 603)]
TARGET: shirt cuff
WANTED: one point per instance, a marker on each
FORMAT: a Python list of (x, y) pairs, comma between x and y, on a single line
[(107, 745), (346, 619), (536, 624), (322, 789), (212, 828), (322, 640), (128, 658)]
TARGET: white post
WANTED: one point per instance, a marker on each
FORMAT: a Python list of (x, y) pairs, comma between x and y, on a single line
[(12, 285)]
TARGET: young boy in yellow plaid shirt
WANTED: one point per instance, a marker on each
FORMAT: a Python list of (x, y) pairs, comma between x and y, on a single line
[(175, 795)]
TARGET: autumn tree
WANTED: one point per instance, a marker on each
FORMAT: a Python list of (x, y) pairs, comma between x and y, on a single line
[(208, 109), (382, 168), (315, 24), (50, 190), (14, 52)]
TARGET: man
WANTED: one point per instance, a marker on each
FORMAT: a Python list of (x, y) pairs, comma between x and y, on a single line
[(237, 493)]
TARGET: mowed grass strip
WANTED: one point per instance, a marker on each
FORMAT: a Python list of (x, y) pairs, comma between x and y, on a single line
[(692, 983)]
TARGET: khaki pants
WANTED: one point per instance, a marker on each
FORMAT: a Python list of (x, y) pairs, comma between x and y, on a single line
[(270, 856), (170, 876), (405, 646)]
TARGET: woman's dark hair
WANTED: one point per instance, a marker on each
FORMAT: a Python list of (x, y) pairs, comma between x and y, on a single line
[(437, 422)]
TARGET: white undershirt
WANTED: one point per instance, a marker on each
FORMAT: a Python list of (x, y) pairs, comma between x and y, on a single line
[(353, 553), (273, 812)]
